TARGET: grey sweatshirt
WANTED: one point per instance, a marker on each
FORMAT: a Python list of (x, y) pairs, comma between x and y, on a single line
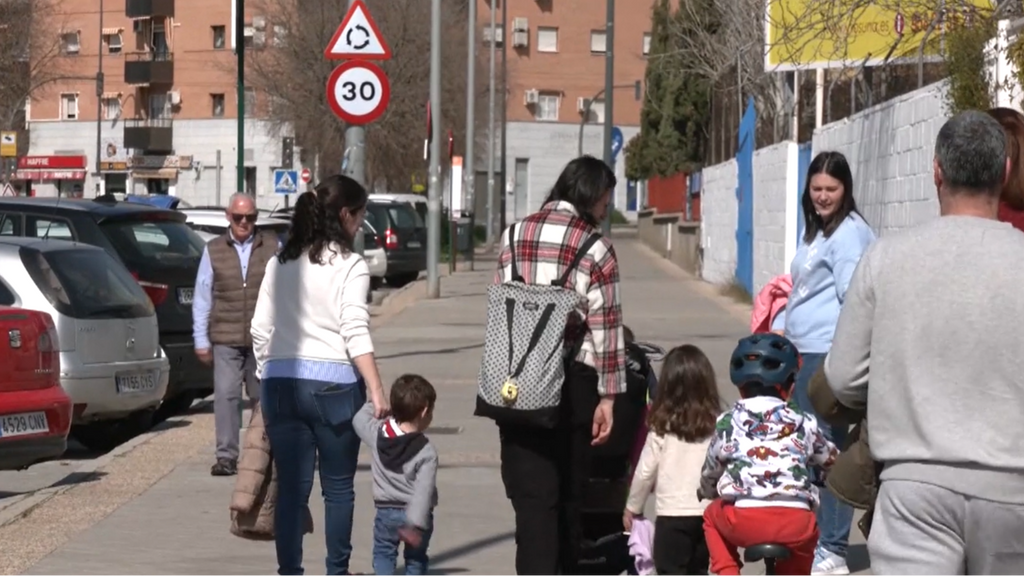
[(934, 319), (404, 466)]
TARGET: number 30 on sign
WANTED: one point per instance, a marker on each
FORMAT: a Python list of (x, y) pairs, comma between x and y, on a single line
[(358, 92)]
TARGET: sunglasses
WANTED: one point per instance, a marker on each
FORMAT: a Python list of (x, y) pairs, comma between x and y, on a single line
[(250, 218)]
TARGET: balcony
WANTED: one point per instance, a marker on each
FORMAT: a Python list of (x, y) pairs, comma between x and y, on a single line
[(149, 8), (149, 134), (148, 68)]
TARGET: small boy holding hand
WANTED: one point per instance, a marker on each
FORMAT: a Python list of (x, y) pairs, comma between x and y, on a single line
[(404, 474)]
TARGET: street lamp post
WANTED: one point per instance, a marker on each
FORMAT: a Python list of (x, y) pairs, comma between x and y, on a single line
[(99, 103), (609, 99)]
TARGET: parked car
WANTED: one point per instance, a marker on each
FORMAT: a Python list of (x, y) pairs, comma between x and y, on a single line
[(418, 201), (35, 412), (157, 248), (373, 247), (212, 222), (111, 362), (405, 239)]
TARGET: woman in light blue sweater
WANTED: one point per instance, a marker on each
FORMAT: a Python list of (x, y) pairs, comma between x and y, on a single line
[(835, 237)]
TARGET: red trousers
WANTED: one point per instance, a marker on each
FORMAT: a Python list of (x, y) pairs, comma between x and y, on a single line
[(727, 528)]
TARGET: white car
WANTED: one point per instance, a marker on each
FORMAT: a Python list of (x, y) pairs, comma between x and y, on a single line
[(111, 363), (210, 223)]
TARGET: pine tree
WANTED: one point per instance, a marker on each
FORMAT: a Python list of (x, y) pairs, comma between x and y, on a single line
[(640, 152)]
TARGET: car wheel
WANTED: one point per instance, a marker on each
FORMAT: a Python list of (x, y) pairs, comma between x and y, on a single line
[(399, 280), (175, 405), (106, 435)]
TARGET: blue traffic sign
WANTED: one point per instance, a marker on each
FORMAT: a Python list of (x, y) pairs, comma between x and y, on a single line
[(617, 142), (286, 181)]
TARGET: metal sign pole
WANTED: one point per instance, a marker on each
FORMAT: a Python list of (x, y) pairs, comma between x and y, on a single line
[(434, 193)]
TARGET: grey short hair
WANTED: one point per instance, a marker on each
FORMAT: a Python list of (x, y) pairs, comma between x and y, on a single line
[(971, 152), (240, 196)]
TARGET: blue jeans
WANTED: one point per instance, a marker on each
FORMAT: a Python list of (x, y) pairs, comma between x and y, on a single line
[(385, 543), (297, 414), (834, 517)]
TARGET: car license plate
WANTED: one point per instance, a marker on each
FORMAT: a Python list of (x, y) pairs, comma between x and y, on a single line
[(135, 382), (185, 296), (413, 244), (23, 424)]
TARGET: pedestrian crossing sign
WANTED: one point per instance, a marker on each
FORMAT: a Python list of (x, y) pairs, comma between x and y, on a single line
[(286, 181)]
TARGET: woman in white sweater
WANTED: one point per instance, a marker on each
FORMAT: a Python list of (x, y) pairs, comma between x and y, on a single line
[(311, 339)]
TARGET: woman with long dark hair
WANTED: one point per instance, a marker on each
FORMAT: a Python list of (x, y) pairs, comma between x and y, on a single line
[(544, 469), (1011, 203), (313, 351), (834, 239)]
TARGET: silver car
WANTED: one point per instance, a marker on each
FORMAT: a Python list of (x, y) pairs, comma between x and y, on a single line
[(111, 362)]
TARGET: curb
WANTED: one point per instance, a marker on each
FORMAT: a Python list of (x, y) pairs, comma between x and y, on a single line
[(399, 300), (25, 504)]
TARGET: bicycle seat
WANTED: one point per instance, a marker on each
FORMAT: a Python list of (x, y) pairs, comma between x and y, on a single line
[(765, 551)]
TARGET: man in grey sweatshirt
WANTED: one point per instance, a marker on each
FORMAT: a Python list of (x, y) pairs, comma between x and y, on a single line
[(404, 474), (933, 321)]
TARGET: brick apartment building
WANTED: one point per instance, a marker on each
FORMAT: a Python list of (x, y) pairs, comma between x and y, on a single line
[(556, 62), (169, 105)]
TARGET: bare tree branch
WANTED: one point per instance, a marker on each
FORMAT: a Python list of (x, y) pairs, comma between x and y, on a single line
[(30, 50), (294, 74)]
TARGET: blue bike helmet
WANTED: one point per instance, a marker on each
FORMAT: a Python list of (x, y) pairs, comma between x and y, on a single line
[(766, 359)]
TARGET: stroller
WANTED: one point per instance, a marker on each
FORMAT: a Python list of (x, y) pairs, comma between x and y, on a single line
[(604, 546)]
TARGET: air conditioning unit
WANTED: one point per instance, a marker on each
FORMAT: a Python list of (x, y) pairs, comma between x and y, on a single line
[(520, 39), (520, 25), (532, 96), (497, 35), (581, 104), (174, 97), (259, 22)]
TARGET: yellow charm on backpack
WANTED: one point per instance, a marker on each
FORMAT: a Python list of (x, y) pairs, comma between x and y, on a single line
[(509, 390)]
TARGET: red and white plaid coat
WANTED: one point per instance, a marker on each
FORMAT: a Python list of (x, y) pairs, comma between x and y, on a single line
[(546, 243)]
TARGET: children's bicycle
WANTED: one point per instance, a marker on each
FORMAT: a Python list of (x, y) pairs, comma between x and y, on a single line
[(770, 553)]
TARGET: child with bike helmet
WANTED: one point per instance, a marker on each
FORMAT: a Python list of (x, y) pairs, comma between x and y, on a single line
[(760, 463)]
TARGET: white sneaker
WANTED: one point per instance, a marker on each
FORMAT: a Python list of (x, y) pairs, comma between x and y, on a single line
[(826, 562)]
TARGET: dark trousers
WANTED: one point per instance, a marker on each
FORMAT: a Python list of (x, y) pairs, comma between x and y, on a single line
[(545, 473), (679, 545)]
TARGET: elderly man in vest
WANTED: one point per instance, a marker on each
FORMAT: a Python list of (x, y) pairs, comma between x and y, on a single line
[(228, 283)]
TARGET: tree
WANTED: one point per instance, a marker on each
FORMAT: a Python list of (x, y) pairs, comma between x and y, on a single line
[(30, 46), (394, 143), (673, 119)]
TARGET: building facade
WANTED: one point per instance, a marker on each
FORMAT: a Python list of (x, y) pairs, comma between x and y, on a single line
[(166, 119), (555, 102)]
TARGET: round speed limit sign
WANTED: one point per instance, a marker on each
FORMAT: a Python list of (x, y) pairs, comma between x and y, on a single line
[(358, 92)]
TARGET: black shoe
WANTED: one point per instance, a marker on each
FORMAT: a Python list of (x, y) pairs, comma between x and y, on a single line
[(224, 467)]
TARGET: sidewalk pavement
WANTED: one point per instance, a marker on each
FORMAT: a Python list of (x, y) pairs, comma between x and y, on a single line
[(180, 524)]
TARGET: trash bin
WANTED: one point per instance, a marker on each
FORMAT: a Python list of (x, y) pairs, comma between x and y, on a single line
[(464, 235)]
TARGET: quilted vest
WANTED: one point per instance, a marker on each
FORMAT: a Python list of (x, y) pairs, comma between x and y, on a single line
[(234, 299)]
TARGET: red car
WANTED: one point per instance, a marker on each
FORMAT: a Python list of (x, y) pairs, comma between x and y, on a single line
[(35, 413)]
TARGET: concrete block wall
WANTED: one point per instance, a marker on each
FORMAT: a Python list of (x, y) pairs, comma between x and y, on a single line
[(890, 148), (775, 210), (718, 222)]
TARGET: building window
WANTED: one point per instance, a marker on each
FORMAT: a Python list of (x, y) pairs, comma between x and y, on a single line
[(547, 107), (111, 107), (218, 105), (547, 39), (497, 35), (647, 43), (71, 42), (115, 43), (598, 42), (250, 102), (596, 115), (280, 34), (69, 106), (218, 37), (250, 180), (159, 106)]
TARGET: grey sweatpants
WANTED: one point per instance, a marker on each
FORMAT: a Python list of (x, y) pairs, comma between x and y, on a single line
[(233, 366), (923, 529)]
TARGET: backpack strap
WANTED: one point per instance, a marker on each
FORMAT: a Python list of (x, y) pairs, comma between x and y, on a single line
[(538, 331), (587, 245), (516, 277)]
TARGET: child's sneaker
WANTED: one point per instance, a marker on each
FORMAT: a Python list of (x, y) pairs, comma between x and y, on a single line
[(826, 562)]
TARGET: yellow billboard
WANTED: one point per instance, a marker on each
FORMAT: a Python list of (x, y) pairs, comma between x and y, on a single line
[(809, 34)]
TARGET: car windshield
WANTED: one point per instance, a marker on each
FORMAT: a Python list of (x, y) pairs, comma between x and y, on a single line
[(141, 242), (86, 284)]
